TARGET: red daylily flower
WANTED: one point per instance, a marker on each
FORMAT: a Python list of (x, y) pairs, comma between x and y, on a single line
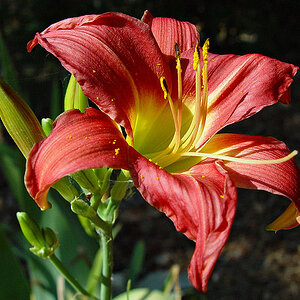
[(172, 101)]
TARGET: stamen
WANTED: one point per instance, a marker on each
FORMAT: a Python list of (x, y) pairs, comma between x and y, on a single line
[(191, 133), (205, 50), (242, 160), (165, 89), (179, 80), (204, 91), (164, 86), (196, 57)]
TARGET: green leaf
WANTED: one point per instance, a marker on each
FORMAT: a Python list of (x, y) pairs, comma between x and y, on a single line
[(143, 294), (13, 283), (136, 262), (93, 282), (6, 65)]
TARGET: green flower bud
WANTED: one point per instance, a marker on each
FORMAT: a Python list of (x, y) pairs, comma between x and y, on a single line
[(47, 125), (87, 179), (120, 187), (31, 230), (74, 97), (82, 208), (106, 181), (66, 189), (50, 238), (19, 120), (44, 241)]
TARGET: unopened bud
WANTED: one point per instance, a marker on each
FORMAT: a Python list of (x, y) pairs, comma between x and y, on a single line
[(19, 120), (47, 125), (50, 238), (44, 241), (82, 208), (74, 97), (31, 230), (87, 179)]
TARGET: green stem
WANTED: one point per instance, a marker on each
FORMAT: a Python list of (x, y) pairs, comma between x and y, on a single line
[(107, 263), (76, 285)]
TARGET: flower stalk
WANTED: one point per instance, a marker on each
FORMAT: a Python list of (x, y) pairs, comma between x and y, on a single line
[(107, 263), (68, 276)]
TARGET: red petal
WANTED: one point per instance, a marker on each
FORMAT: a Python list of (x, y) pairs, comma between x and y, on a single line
[(238, 87), (169, 31), (115, 59), (89, 140), (282, 179), (201, 204)]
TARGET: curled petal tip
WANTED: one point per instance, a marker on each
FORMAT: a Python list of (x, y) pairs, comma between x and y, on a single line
[(289, 219), (31, 44)]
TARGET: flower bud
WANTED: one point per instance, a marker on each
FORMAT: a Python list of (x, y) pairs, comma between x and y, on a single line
[(31, 230), (19, 120), (120, 187), (44, 241), (50, 238), (47, 125), (74, 97), (87, 179), (66, 189), (82, 208)]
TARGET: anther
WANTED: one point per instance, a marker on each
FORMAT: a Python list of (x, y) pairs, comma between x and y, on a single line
[(177, 50), (196, 57), (205, 51), (164, 86)]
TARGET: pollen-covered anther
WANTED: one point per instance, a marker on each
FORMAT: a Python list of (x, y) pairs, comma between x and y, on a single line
[(222, 196), (205, 49), (196, 57), (164, 86), (117, 151)]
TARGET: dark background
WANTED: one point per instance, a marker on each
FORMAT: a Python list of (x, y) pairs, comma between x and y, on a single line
[(255, 264)]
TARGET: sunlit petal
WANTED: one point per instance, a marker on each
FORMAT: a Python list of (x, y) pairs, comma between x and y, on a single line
[(78, 141), (201, 203)]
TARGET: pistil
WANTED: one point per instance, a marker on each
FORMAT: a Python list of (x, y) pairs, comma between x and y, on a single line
[(242, 160), (179, 83), (167, 95)]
